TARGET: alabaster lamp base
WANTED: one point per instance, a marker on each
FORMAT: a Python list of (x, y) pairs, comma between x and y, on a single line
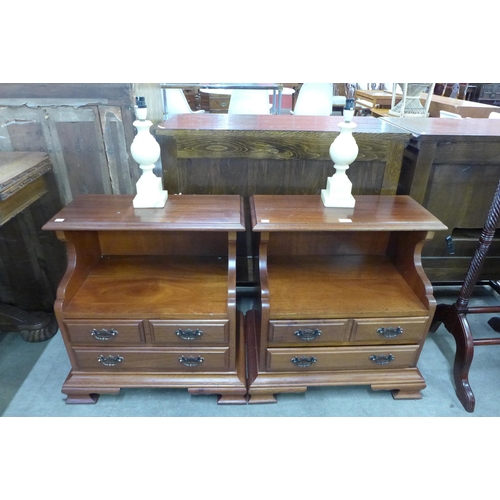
[(145, 201), (330, 200), (150, 193)]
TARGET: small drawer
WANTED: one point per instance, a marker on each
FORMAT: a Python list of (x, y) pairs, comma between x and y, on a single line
[(152, 360), (220, 102), (307, 332), (341, 358), (389, 330), (189, 333), (108, 332)]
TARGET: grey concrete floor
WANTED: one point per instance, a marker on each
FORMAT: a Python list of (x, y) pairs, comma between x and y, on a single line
[(32, 376)]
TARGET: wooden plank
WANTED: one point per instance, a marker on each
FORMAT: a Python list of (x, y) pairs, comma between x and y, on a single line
[(19, 169), (111, 121), (82, 146), (21, 199)]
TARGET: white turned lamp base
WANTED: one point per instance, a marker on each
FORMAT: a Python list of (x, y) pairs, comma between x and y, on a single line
[(343, 152), (149, 190), (146, 152), (341, 198)]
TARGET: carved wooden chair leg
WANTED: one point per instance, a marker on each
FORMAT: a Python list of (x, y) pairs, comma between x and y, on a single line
[(454, 317), (463, 360)]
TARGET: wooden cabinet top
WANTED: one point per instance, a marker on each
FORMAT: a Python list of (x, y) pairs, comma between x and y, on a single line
[(17, 169), (447, 127), (279, 123), (181, 213), (371, 213)]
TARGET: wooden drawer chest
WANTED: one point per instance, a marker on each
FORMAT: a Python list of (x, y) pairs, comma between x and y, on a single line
[(344, 298), (149, 296)]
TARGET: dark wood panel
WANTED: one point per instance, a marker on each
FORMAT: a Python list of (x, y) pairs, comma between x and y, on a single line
[(470, 151), (27, 136), (83, 150), (247, 177), (452, 169)]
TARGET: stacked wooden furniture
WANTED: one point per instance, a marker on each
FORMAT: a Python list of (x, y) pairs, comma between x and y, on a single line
[(148, 298), (451, 167), (24, 284), (344, 298)]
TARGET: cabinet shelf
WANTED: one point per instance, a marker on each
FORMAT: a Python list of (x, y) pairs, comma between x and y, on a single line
[(342, 286), (153, 286)]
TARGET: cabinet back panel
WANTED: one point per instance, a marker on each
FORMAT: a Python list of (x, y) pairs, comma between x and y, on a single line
[(328, 243), (163, 243)]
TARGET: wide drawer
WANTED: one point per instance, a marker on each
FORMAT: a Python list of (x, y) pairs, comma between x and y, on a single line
[(106, 332), (308, 332), (171, 360), (341, 358), (389, 330), (189, 333)]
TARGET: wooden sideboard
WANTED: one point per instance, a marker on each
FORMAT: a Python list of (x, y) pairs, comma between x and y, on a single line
[(149, 296), (452, 168), (462, 107), (344, 299), (26, 292), (260, 154), (275, 154)]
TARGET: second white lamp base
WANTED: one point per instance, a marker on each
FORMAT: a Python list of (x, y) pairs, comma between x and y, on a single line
[(146, 202), (334, 201), (338, 190), (149, 190)]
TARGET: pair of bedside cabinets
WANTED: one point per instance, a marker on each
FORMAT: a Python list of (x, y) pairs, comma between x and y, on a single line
[(149, 295)]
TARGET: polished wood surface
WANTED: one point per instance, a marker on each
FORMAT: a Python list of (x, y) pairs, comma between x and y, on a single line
[(376, 98), (356, 273), (116, 213), (157, 274), (462, 107), (452, 167), (371, 213), (446, 127)]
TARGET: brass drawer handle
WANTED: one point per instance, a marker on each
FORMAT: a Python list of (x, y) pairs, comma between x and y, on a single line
[(103, 334), (390, 332), (308, 334), (188, 334), (303, 361), (109, 360), (382, 359), (191, 360)]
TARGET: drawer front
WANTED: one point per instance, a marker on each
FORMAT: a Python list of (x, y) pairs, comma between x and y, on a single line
[(162, 360), (307, 332), (342, 358), (220, 103), (189, 333), (389, 330), (105, 332)]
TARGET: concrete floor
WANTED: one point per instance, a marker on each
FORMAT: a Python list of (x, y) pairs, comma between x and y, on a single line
[(32, 376)]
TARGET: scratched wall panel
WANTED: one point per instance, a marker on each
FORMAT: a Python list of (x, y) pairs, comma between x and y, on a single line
[(123, 173), (86, 130), (27, 136), (83, 151)]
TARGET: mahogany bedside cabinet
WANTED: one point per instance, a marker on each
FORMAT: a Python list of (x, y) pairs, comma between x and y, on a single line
[(344, 298), (149, 296)]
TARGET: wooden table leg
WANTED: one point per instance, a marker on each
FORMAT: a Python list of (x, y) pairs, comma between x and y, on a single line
[(33, 327)]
